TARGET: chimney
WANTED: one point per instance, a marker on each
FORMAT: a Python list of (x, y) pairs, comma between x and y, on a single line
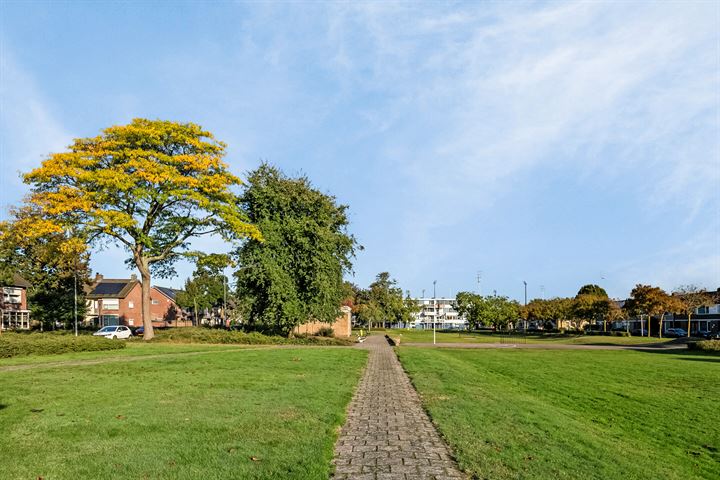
[(98, 277)]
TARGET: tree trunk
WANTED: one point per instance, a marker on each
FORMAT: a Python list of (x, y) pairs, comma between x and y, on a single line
[(649, 324), (688, 330), (147, 319), (662, 316)]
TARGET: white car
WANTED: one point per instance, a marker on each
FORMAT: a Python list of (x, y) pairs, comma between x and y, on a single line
[(114, 331)]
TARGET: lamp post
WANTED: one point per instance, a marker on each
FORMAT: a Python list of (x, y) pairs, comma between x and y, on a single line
[(525, 284), (436, 310)]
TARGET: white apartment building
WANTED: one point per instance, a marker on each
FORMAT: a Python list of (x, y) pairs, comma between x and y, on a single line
[(440, 312)]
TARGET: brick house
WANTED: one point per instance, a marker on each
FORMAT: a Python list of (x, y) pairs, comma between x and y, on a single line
[(14, 313), (113, 301)]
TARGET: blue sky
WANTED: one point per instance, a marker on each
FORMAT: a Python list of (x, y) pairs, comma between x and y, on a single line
[(556, 143)]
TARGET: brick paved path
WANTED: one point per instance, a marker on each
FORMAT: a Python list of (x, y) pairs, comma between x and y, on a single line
[(387, 434)]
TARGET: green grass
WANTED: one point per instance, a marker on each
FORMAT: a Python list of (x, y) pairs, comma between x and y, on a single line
[(426, 336), (541, 414), (133, 349), (247, 413)]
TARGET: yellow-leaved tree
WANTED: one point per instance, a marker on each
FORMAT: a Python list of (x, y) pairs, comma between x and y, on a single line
[(150, 186)]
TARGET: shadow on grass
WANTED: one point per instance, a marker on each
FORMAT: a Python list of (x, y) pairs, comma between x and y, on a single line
[(2, 406), (687, 355)]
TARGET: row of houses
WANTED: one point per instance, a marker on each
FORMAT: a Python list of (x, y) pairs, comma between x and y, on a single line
[(442, 314), (118, 301), (109, 301)]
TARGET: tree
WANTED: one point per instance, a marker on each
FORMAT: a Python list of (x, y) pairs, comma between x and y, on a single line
[(150, 186), (652, 301), (207, 287), (592, 289), (592, 303), (692, 298), (468, 306), (383, 301), (55, 265), (491, 310), (296, 274)]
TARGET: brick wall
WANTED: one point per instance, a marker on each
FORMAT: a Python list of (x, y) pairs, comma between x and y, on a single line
[(341, 327)]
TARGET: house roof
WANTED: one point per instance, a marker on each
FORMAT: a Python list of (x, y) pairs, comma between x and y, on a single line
[(18, 281), (112, 288), (171, 293)]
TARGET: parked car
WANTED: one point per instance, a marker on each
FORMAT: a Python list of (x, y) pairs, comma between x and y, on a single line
[(700, 333), (139, 331), (675, 333), (114, 331)]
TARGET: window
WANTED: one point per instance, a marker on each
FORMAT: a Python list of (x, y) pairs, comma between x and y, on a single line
[(111, 304), (12, 295), (131, 304), (156, 302)]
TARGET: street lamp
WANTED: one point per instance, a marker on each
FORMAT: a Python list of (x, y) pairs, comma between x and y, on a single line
[(436, 310), (525, 284), (75, 258)]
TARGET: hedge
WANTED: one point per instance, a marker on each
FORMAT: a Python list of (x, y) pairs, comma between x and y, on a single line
[(209, 335), (705, 346), (16, 344)]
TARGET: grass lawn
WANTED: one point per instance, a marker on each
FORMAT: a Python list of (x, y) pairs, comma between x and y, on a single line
[(247, 413), (133, 349), (542, 414), (426, 336)]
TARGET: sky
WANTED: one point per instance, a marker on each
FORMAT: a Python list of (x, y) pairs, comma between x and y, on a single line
[(557, 144)]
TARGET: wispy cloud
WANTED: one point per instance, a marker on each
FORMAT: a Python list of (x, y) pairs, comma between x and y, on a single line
[(29, 128)]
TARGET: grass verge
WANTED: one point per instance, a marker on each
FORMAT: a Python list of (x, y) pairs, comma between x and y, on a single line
[(426, 336), (219, 336), (539, 414), (15, 345), (270, 413)]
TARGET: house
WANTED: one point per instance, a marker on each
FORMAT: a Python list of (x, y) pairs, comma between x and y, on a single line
[(14, 313), (440, 312), (113, 301)]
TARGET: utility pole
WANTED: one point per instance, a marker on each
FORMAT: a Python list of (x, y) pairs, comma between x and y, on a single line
[(479, 282), (542, 292)]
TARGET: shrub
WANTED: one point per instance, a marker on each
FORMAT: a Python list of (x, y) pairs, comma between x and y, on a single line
[(14, 344), (618, 333), (705, 346), (207, 335), (325, 332)]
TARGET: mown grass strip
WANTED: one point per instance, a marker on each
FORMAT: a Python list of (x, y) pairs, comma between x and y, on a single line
[(540, 414)]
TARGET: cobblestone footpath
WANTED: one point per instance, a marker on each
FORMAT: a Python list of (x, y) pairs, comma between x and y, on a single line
[(387, 434)]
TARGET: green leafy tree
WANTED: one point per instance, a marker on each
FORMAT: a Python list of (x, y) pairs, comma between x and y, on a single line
[(490, 310), (57, 268), (207, 289), (150, 186), (296, 274), (592, 289)]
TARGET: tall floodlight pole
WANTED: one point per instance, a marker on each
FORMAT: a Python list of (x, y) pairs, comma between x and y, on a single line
[(479, 281)]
